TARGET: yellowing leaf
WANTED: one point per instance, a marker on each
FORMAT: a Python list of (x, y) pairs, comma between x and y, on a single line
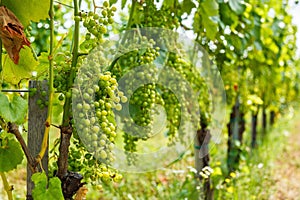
[(13, 73)]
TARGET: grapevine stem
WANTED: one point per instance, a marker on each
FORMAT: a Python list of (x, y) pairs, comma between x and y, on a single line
[(125, 35), (67, 104), (132, 9), (0, 54), (63, 4), (7, 187), (66, 129), (13, 128), (131, 14), (51, 89)]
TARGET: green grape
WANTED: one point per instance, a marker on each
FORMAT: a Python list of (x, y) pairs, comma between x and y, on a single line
[(106, 4), (104, 13), (77, 18), (113, 8)]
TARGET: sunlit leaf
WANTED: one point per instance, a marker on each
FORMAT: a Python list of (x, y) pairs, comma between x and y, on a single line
[(13, 73), (28, 10)]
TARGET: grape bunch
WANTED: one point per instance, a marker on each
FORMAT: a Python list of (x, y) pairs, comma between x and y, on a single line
[(164, 17), (94, 116), (80, 160), (96, 25), (62, 68), (136, 73), (177, 90)]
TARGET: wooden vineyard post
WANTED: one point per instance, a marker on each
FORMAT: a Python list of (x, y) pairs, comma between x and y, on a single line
[(36, 128)]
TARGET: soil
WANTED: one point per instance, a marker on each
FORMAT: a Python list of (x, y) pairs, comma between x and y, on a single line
[(287, 170)]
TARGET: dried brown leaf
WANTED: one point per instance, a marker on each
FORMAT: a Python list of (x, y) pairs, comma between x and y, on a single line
[(81, 193), (12, 34)]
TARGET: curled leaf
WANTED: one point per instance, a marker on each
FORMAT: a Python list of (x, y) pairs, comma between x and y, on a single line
[(12, 33)]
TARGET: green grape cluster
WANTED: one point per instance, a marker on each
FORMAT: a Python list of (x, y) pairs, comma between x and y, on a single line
[(95, 172), (96, 25), (94, 109), (162, 18), (180, 106), (62, 68), (144, 52), (138, 67), (130, 148), (173, 109)]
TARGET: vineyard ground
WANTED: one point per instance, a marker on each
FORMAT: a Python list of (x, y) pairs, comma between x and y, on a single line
[(278, 179), (287, 168)]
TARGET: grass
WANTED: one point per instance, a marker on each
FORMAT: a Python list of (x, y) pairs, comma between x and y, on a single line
[(253, 180), (255, 177)]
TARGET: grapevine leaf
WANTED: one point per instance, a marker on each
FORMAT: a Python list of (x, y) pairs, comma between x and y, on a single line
[(123, 3), (227, 16), (11, 154), (210, 7), (14, 111), (237, 6), (187, 6), (211, 28), (43, 64), (41, 192), (196, 23), (208, 10), (169, 3), (28, 10), (13, 73), (111, 2)]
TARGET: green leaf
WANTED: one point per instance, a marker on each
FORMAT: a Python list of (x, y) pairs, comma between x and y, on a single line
[(168, 3), (43, 64), (13, 73), (208, 10), (41, 192), (14, 111), (210, 7), (28, 10), (237, 6), (123, 3), (196, 23), (111, 2), (227, 16), (11, 154), (211, 28), (187, 6)]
